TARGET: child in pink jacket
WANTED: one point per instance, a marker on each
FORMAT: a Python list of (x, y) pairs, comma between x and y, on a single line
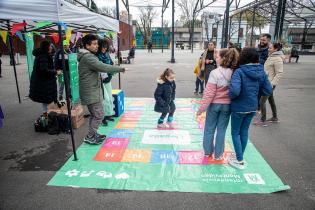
[(216, 102)]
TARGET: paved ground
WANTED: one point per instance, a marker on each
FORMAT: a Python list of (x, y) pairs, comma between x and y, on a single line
[(28, 160)]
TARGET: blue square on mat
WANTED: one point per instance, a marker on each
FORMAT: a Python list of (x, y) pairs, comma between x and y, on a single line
[(121, 133), (164, 156)]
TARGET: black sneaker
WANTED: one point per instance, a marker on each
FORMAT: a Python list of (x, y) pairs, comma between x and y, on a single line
[(109, 118), (89, 139), (99, 139), (104, 122)]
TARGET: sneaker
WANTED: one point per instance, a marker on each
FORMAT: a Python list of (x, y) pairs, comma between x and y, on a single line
[(99, 138), (109, 118), (273, 120), (237, 164), (207, 155), (104, 122), (219, 158), (200, 93), (171, 125), (89, 139), (196, 93), (162, 126), (261, 123)]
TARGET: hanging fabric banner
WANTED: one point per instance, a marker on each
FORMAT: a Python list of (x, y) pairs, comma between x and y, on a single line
[(55, 37), (4, 35), (17, 27), (19, 34), (42, 24), (29, 40)]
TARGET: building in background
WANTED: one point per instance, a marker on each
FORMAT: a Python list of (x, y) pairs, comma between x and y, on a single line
[(213, 25), (156, 38)]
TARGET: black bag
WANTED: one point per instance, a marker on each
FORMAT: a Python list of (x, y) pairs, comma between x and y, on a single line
[(64, 124), (53, 123), (41, 124)]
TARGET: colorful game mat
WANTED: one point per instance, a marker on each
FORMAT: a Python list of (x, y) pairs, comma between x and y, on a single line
[(138, 156)]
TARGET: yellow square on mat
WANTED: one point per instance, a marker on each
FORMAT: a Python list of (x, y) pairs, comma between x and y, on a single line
[(137, 155), (126, 125)]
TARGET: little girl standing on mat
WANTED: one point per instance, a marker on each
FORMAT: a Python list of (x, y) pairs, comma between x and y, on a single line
[(165, 96)]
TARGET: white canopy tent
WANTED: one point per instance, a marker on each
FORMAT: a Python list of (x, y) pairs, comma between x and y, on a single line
[(55, 11)]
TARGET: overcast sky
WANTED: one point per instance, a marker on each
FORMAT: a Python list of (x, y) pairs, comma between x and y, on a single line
[(218, 6)]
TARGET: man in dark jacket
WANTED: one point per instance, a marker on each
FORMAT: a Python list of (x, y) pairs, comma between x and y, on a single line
[(263, 47), (58, 66), (43, 85), (208, 61), (294, 54)]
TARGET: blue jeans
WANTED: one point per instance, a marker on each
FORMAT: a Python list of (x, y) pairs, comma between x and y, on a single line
[(240, 123), (218, 116), (199, 83)]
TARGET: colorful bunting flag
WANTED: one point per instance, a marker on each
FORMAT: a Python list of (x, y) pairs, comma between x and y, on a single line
[(78, 36), (4, 35), (17, 27), (55, 37), (42, 24), (19, 34), (68, 34), (72, 38)]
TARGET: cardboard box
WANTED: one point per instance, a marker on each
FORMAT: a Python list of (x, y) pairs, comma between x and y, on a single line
[(77, 114)]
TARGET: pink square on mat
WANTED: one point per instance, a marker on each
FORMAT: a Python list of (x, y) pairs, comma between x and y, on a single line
[(116, 143), (191, 157)]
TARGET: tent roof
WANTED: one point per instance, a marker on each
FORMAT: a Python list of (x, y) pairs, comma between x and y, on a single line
[(33, 11)]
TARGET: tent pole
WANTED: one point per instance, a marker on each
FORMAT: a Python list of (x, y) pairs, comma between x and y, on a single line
[(67, 88), (13, 60), (118, 42)]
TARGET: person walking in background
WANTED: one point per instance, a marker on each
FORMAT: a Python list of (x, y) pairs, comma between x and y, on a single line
[(208, 61), (150, 47), (216, 101), (43, 84), (246, 82), (274, 69), (199, 79), (90, 85), (294, 54), (103, 55), (164, 96), (58, 66)]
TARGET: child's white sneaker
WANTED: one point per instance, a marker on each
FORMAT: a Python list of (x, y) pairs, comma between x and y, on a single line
[(161, 126), (171, 125), (237, 164)]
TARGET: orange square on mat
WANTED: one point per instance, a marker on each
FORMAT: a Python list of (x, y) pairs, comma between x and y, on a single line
[(109, 155), (126, 125), (137, 155)]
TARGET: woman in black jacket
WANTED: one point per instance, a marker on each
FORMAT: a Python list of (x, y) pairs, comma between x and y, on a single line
[(43, 86)]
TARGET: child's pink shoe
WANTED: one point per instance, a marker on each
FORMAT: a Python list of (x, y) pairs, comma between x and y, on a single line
[(161, 126), (171, 125)]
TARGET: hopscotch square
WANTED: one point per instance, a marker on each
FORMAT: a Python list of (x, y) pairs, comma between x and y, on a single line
[(121, 133), (116, 143), (126, 125), (254, 178), (164, 156), (166, 137), (109, 155), (136, 155), (192, 157)]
